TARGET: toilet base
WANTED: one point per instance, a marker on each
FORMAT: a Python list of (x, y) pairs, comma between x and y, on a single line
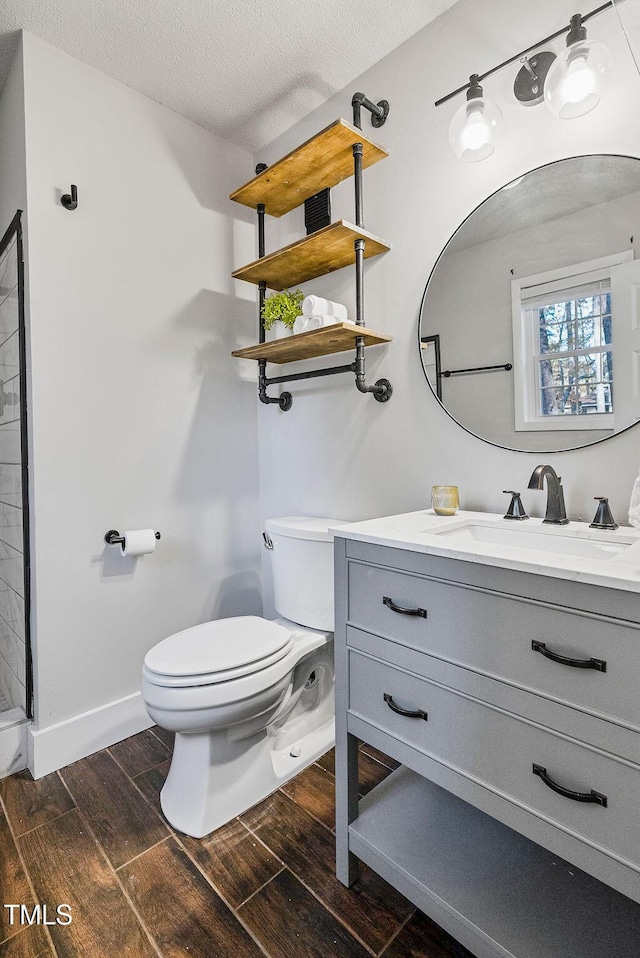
[(213, 779), (287, 762), (218, 774)]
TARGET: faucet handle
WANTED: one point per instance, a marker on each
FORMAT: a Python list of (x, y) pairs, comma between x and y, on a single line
[(516, 509), (603, 518)]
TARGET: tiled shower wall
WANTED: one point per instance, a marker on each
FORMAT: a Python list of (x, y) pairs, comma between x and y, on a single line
[(12, 615)]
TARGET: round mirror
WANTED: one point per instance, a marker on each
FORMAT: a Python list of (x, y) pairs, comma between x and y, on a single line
[(529, 329)]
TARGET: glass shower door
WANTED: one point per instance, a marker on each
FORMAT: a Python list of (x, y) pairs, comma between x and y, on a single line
[(15, 664)]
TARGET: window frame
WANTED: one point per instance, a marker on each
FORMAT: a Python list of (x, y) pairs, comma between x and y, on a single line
[(526, 416)]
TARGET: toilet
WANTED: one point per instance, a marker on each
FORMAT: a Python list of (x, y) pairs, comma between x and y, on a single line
[(250, 699)]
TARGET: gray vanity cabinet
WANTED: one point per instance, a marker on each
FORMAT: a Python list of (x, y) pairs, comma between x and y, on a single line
[(514, 819)]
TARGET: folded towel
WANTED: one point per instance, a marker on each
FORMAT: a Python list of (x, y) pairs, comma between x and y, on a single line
[(300, 325), (317, 306), (634, 506), (305, 324)]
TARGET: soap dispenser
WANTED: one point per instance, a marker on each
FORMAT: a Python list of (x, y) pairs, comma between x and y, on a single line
[(603, 518)]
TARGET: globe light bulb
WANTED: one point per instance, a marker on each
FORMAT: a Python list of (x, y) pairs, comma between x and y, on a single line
[(473, 124), (476, 132), (579, 80), (576, 80)]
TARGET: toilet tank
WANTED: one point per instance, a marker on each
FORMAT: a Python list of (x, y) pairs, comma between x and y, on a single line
[(302, 564)]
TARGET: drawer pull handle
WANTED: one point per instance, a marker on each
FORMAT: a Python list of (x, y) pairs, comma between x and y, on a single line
[(596, 797), (390, 604), (417, 713), (598, 664)]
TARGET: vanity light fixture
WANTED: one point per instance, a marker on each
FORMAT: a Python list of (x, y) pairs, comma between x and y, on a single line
[(571, 85)]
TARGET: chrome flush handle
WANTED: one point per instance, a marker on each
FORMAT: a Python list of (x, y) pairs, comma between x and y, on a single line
[(268, 544)]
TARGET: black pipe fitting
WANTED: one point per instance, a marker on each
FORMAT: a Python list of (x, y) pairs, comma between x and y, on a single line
[(379, 111)]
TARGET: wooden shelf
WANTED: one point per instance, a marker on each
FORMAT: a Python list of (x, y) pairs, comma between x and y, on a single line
[(322, 252), (324, 160), (317, 342)]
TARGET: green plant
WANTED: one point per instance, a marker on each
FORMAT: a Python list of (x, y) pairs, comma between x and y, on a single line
[(284, 307)]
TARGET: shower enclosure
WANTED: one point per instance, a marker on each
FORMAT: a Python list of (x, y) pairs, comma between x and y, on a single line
[(15, 652)]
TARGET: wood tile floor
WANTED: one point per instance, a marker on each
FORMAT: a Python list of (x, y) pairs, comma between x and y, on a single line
[(92, 836)]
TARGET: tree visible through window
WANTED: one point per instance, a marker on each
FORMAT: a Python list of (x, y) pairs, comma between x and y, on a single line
[(563, 342), (574, 365)]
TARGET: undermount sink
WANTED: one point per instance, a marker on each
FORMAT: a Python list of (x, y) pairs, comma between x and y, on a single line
[(560, 539)]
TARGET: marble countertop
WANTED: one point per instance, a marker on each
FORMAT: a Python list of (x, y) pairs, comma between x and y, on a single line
[(615, 561)]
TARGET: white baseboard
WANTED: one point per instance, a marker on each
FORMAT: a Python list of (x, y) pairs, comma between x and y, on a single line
[(59, 745), (13, 742)]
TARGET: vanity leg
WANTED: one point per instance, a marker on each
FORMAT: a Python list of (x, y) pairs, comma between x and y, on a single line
[(347, 865)]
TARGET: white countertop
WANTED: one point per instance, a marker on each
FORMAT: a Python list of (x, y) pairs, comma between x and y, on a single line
[(618, 567)]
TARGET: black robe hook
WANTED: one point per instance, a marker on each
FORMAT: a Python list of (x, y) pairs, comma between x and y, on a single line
[(70, 200)]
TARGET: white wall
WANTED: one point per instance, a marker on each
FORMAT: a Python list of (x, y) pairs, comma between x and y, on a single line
[(139, 416), (13, 183), (341, 454)]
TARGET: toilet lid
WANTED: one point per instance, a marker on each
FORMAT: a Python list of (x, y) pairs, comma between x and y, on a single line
[(218, 651)]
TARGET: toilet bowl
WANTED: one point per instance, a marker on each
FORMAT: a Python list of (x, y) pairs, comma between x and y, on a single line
[(250, 699)]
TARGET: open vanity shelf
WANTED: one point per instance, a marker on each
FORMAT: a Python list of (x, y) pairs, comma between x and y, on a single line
[(331, 156), (439, 851)]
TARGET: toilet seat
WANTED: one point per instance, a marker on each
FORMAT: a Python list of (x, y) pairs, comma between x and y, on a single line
[(175, 704), (217, 651)]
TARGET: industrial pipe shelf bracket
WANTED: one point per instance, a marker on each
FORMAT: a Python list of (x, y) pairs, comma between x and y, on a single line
[(382, 389)]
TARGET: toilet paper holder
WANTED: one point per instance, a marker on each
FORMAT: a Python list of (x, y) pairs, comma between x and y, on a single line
[(113, 537)]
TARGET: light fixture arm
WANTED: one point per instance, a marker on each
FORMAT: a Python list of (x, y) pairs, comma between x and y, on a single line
[(526, 63), (576, 24)]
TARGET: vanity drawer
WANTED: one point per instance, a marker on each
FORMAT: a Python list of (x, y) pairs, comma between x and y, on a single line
[(498, 750), (494, 633)]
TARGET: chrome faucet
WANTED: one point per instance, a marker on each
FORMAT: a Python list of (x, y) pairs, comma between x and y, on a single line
[(556, 512)]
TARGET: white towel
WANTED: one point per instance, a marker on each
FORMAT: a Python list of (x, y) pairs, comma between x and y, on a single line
[(305, 324), (300, 325), (317, 306), (634, 505)]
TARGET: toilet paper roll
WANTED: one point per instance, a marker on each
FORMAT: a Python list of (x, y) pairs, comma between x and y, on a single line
[(138, 542)]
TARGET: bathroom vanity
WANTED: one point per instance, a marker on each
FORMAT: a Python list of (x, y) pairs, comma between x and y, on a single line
[(499, 663)]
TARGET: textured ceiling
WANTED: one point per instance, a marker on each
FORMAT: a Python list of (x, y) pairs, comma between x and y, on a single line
[(245, 70)]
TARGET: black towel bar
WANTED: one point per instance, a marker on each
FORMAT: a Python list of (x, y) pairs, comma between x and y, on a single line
[(507, 367)]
